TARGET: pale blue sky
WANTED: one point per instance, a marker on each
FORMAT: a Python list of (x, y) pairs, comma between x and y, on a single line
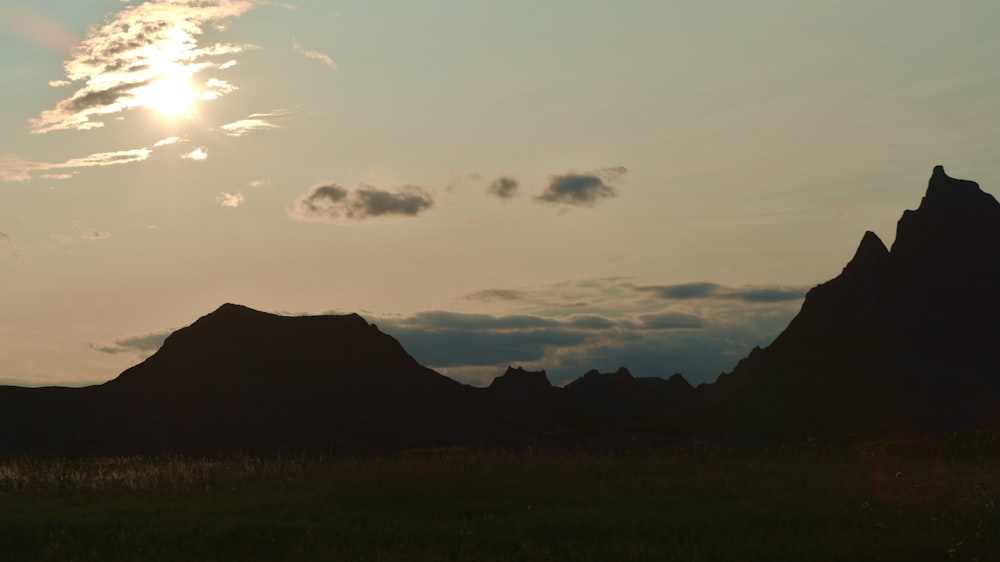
[(760, 141)]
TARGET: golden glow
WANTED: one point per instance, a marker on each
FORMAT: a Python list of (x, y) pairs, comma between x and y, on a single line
[(172, 94)]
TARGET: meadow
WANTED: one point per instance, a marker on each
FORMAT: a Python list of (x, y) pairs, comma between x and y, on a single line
[(865, 500)]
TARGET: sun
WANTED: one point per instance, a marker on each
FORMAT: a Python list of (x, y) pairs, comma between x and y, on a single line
[(171, 94)]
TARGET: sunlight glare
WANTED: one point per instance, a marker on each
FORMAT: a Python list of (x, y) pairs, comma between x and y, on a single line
[(172, 95)]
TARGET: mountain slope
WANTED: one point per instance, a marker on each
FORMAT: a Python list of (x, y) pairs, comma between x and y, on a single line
[(902, 339), (245, 380)]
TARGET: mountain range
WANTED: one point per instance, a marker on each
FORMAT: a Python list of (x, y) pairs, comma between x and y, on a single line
[(904, 340)]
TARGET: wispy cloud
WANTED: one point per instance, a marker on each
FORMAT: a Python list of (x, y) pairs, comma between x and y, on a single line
[(7, 245), (57, 176), (86, 233), (504, 188), (138, 58), (309, 53), (246, 126), (91, 234), (14, 169), (167, 141), (108, 158), (142, 345), (215, 89), (581, 189), (497, 295), (232, 200), (331, 202), (198, 154), (254, 122)]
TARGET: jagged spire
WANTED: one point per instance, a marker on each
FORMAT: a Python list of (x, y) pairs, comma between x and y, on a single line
[(870, 254)]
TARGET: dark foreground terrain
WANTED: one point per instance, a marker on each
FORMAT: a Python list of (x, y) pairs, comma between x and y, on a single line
[(865, 500)]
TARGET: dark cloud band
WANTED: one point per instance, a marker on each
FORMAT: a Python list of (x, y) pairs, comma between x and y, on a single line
[(581, 190), (331, 202)]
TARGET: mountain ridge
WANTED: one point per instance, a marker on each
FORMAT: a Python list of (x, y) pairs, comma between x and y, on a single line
[(905, 339)]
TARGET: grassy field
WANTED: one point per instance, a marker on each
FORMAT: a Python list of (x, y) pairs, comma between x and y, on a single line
[(800, 501)]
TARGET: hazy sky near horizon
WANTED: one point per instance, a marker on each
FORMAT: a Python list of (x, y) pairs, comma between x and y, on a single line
[(555, 184)]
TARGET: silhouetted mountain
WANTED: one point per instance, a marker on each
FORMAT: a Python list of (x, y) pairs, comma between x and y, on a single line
[(236, 345), (672, 391), (518, 384), (907, 339), (241, 379), (622, 392)]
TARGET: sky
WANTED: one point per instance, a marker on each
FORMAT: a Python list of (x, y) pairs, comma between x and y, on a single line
[(559, 185)]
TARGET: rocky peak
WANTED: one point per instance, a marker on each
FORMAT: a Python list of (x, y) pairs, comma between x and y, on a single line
[(956, 220), (945, 193), (871, 254), (517, 381), (921, 320), (620, 375), (677, 380), (675, 389), (595, 381)]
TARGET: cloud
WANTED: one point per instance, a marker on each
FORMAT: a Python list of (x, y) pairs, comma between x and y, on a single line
[(108, 158), (198, 154), (592, 322), (439, 320), (145, 344), (497, 295), (554, 301), (766, 294), (167, 141), (129, 61), (581, 190), (330, 202), (215, 89), (57, 176), (259, 183), (449, 339), (7, 245), (688, 291), (463, 344), (91, 234), (14, 169), (672, 321), (308, 53), (255, 122), (245, 127), (568, 328), (682, 291), (230, 199), (504, 188)]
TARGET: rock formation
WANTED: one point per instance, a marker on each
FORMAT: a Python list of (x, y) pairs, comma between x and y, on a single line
[(902, 338)]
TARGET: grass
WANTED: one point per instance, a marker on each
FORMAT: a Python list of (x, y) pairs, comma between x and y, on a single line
[(801, 501)]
